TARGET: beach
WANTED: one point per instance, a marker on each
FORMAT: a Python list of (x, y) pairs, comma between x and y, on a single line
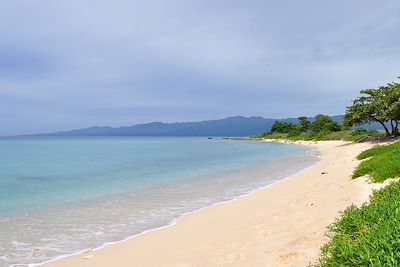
[(281, 225)]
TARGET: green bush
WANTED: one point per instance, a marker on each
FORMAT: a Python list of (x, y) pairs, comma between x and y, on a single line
[(363, 131), (294, 133), (310, 136)]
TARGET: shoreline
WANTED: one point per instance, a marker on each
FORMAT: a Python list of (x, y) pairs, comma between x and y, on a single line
[(311, 149), (110, 247)]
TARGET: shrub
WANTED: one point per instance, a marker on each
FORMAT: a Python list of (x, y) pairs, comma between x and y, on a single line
[(363, 131)]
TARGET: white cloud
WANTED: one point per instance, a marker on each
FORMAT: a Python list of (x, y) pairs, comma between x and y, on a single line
[(229, 57)]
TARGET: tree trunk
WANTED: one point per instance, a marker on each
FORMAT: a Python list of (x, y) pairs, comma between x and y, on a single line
[(396, 128), (384, 127), (392, 125)]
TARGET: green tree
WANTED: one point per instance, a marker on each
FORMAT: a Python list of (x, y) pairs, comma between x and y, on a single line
[(324, 123), (392, 106), (284, 127), (381, 105), (304, 123)]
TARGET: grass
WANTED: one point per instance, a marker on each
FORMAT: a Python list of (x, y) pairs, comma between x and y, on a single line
[(347, 135), (380, 163), (369, 235)]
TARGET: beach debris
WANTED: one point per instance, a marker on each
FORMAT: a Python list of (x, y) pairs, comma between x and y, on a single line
[(88, 253), (324, 172), (311, 204)]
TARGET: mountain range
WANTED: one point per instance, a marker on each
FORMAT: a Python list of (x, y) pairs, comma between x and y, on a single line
[(232, 126)]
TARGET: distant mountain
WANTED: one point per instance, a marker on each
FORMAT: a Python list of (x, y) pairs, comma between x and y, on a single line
[(232, 126)]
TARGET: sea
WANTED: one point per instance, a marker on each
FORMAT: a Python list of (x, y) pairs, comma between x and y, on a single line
[(61, 195)]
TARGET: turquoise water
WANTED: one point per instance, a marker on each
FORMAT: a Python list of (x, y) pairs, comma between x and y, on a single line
[(61, 195)]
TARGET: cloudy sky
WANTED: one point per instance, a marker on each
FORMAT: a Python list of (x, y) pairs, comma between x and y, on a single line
[(72, 64)]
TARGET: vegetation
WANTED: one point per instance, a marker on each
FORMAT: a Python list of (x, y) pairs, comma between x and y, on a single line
[(347, 135), (304, 123), (380, 105), (284, 127), (324, 123), (322, 128), (370, 235), (382, 162)]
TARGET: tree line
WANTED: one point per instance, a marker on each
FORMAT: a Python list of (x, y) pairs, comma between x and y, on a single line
[(321, 123)]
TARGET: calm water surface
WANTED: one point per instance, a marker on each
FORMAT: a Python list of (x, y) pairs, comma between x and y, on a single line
[(61, 195)]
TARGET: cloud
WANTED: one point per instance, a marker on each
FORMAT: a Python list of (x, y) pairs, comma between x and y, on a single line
[(79, 63)]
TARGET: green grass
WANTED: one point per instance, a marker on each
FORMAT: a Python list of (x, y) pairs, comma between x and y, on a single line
[(321, 136), (380, 163), (367, 236)]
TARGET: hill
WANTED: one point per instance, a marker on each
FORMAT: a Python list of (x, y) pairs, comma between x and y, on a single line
[(232, 126)]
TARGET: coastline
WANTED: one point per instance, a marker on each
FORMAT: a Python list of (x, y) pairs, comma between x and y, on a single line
[(201, 237), (207, 189)]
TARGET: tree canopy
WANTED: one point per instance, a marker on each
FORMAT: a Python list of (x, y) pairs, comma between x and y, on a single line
[(284, 127), (321, 123), (304, 123), (324, 123), (381, 105)]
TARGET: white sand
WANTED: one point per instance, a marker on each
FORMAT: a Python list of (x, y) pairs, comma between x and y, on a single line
[(282, 225)]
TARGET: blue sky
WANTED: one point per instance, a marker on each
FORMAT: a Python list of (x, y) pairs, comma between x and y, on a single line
[(73, 64)]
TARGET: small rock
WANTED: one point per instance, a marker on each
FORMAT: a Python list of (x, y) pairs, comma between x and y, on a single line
[(324, 172)]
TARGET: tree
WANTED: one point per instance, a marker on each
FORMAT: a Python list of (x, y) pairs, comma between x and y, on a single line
[(324, 123), (284, 127), (380, 105), (392, 106), (304, 123)]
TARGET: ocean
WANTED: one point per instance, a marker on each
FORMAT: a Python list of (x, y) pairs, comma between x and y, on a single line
[(60, 195)]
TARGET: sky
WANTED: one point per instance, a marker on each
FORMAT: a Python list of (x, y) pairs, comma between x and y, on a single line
[(74, 64)]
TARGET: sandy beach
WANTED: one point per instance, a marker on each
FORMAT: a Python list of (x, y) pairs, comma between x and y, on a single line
[(282, 225)]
